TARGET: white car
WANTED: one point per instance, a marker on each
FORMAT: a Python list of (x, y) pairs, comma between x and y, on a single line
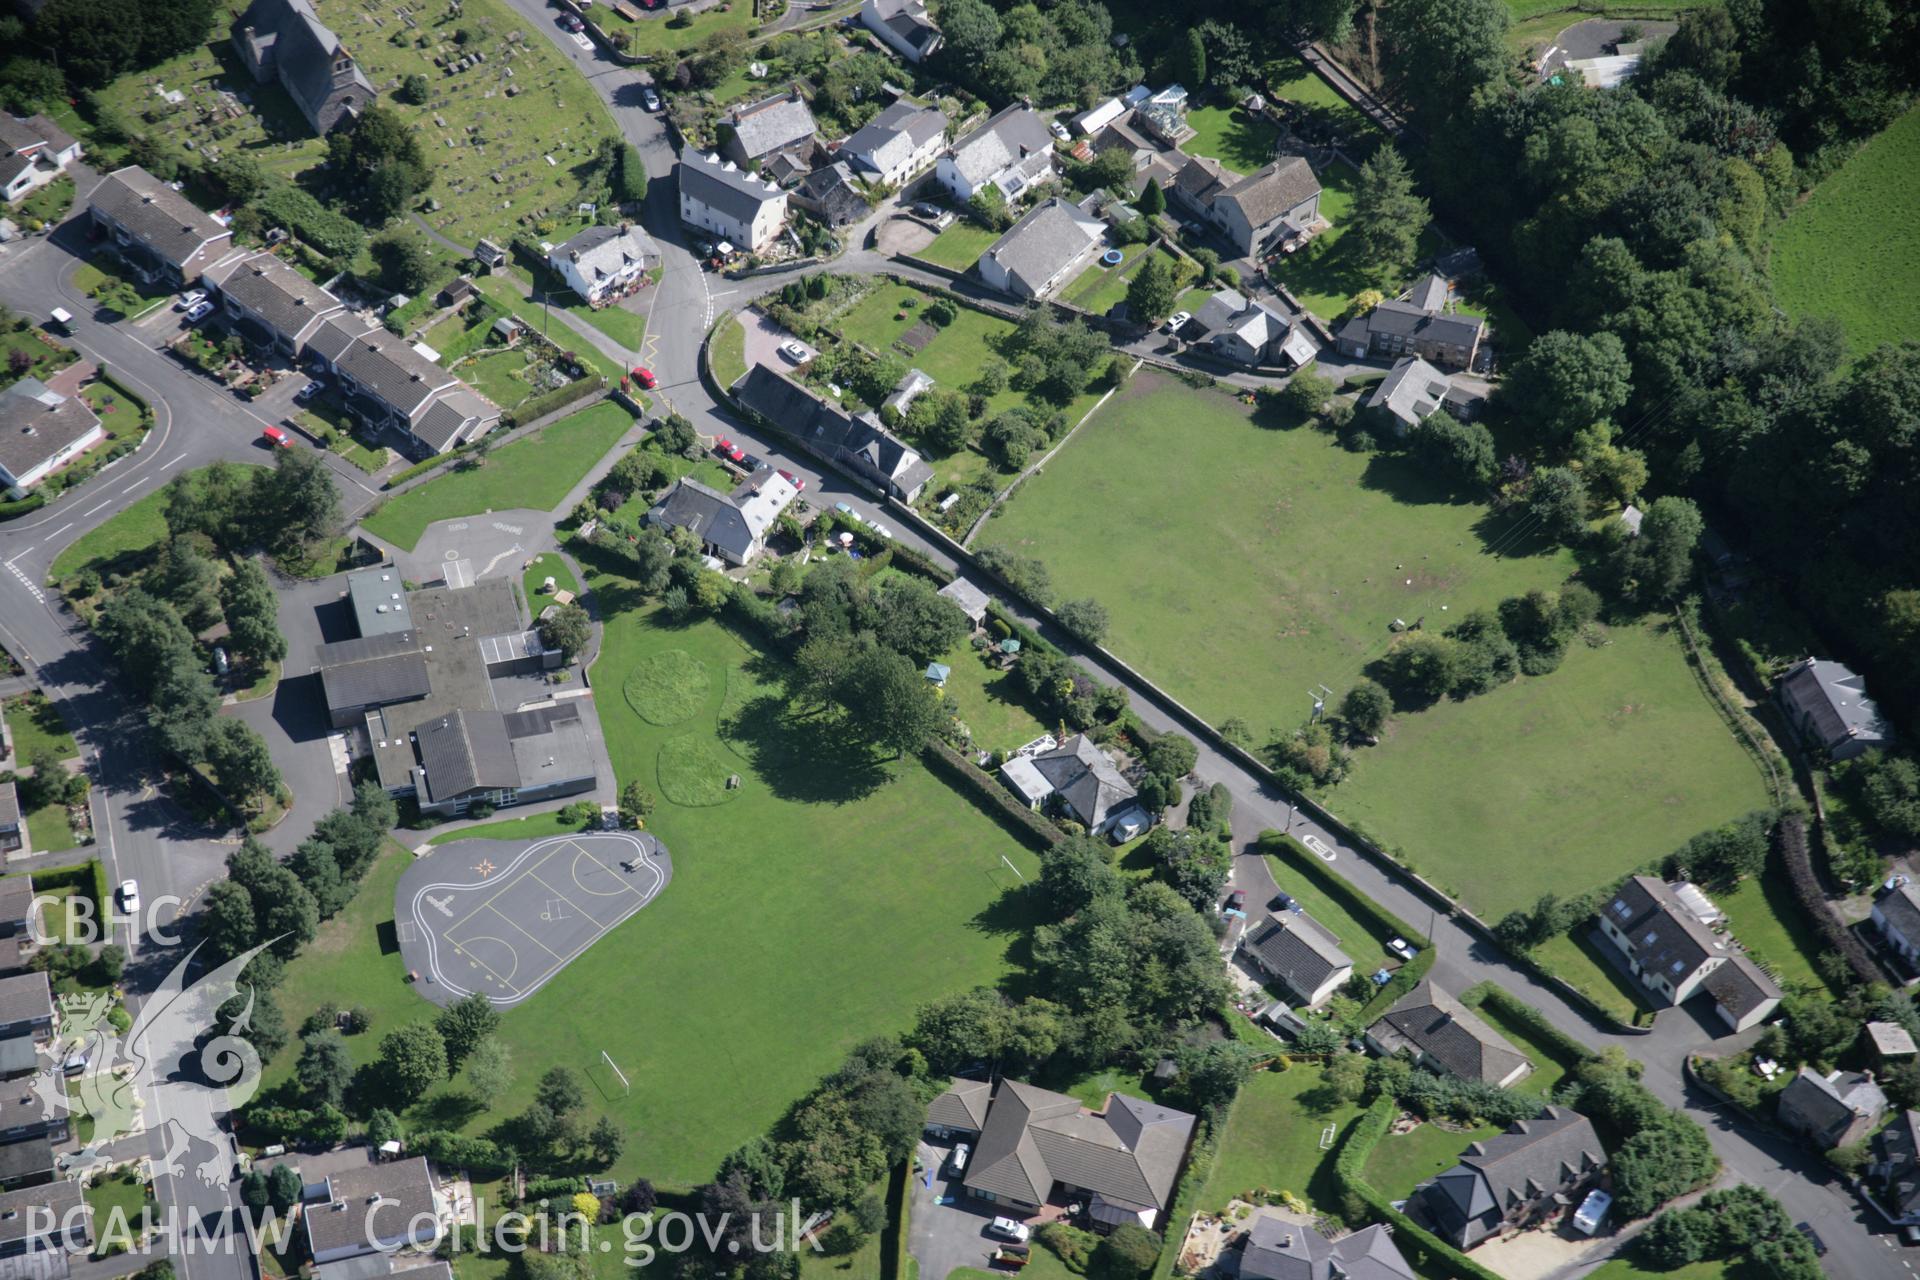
[(1008, 1229), (1178, 321), (129, 895), (1059, 131), (883, 531), (796, 352), (1402, 948), (199, 311), (190, 300), (649, 99), (958, 1161)]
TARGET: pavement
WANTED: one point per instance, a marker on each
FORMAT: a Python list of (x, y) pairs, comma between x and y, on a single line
[(944, 1237)]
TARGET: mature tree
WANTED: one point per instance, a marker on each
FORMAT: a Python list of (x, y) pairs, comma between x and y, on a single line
[(1307, 392), (909, 616), (1423, 667), (1664, 550), (324, 1068), (607, 1141), (972, 32), (1086, 620), (1461, 451), (1568, 381), (1439, 51), (301, 494), (1152, 201), (1194, 863), (146, 637), (1190, 60), (189, 581), (489, 1068), (1172, 754), (412, 1060), (283, 1188), (381, 160), (1365, 709), (1151, 292), (240, 757), (1388, 218), (375, 809), (464, 1024), (414, 90), (559, 1090), (567, 628), (1075, 873), (316, 867), (629, 178), (227, 922), (636, 802), (1129, 1252), (406, 265), (1557, 502)]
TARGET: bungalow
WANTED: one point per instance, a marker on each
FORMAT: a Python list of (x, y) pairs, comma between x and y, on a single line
[(1532, 1170), (1827, 705), (1042, 250), (719, 197), (379, 1208), (40, 431), (285, 40), (731, 527), (904, 27), (1276, 1249), (1252, 333), (33, 152), (1034, 1148), (1012, 151), (603, 264), (270, 302), (161, 234), (1447, 1038), (1083, 781), (1276, 204), (752, 133), (831, 194), (1293, 949), (1414, 391), (1837, 1109), (1416, 323), (899, 143)]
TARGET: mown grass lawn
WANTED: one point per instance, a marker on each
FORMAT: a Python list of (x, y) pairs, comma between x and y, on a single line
[(1274, 1140), (1577, 958), (119, 542), (1099, 288), (36, 726), (959, 246), (1628, 1268), (727, 351), (534, 473), (50, 830), (1365, 944), (1852, 250), (1401, 1162), (820, 905), (990, 701), (547, 564), (535, 826), (1231, 136), (1770, 923)]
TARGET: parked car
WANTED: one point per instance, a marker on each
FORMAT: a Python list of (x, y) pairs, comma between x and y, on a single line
[(1592, 1212), (1813, 1238), (882, 530), (644, 378), (1402, 948), (1008, 1229), (129, 895), (568, 22), (799, 485), (649, 99), (1283, 901), (957, 1162), (306, 393), (796, 351), (844, 509), (735, 454), (277, 438), (199, 311), (1059, 131), (221, 664), (1178, 321), (1237, 900), (190, 299), (926, 209)]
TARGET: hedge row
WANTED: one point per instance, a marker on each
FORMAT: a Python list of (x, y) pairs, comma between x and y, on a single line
[(1563, 1048), (89, 876), (983, 784), (1349, 1170), (13, 510), (540, 406), (894, 1255), (1298, 859)]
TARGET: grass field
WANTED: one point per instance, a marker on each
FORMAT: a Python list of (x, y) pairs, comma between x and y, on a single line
[(1403, 1161), (728, 351), (547, 565), (1099, 288), (139, 528), (862, 898), (534, 473), (535, 826), (1273, 1140), (959, 246), (36, 726), (1231, 136), (1763, 913), (1853, 249), (1629, 1269)]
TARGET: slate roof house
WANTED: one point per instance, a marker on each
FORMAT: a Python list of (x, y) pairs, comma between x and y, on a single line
[(1414, 391), (10, 839), (1042, 250), (1251, 333), (904, 27), (159, 232), (860, 443), (1035, 1148), (52, 1219), (285, 40), (900, 142), (41, 431), (380, 1208), (1832, 1110), (604, 264), (1275, 1249), (1744, 995), (756, 130), (33, 152), (1828, 706), (1274, 205), (1895, 1171), (1084, 782), (1535, 1168), (390, 385), (1446, 1037), (272, 303), (1296, 951), (718, 196), (732, 527), (1012, 151), (831, 194), (1416, 323), (1668, 948), (1897, 916), (26, 1007)]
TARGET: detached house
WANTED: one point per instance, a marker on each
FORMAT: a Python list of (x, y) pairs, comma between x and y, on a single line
[(161, 234), (1828, 706), (41, 431), (720, 197), (1534, 1169), (33, 152), (381, 1208), (1275, 1249), (731, 527), (271, 303), (1079, 777), (1668, 947), (1012, 151), (1294, 950), (604, 264), (904, 27), (1034, 1148), (388, 384), (899, 143), (1833, 1110), (1448, 1038), (1275, 205), (285, 40), (1251, 333), (1416, 323), (753, 133), (1042, 250), (1414, 391)]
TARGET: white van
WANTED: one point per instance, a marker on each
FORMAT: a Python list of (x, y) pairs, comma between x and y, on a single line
[(957, 1162)]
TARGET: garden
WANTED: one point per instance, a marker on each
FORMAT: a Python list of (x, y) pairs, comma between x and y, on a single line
[(959, 246), (1228, 134), (1282, 1135), (868, 892), (1099, 288)]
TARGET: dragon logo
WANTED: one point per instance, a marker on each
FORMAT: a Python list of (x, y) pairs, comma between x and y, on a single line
[(166, 1071)]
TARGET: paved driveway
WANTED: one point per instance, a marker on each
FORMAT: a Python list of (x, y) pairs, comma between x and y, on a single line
[(943, 1237)]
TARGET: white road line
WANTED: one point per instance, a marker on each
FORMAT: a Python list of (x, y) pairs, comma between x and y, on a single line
[(12, 559), (90, 510), (136, 484), (62, 529), (174, 461)]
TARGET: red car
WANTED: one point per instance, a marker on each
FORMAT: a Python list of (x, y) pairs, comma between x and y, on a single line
[(277, 438), (798, 484), (645, 378)]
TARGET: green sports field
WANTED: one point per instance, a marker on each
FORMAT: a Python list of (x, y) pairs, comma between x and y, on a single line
[(819, 903), (1853, 249)]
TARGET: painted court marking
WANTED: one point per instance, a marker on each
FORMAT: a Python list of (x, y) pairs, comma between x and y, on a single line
[(533, 916), (459, 573)]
